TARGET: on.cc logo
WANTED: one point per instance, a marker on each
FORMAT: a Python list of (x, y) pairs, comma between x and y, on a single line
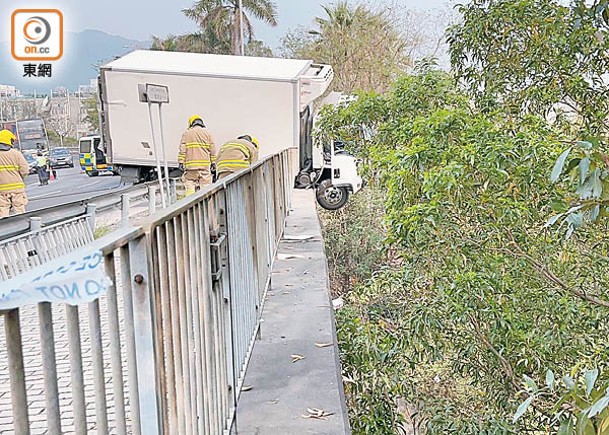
[(37, 30), (37, 34)]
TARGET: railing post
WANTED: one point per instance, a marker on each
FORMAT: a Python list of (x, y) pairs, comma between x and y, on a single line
[(151, 200), (145, 339), (35, 223), (172, 191), (16, 372), (125, 209), (91, 216), (49, 368)]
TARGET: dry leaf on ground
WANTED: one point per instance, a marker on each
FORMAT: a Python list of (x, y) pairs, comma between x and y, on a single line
[(318, 414), (297, 357), (323, 344)]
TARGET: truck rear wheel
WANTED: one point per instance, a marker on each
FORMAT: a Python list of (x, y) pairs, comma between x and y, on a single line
[(331, 197)]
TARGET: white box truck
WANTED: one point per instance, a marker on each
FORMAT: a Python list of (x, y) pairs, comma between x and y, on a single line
[(271, 99)]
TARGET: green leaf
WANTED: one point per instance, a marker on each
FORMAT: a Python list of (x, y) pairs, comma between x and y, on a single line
[(566, 427), (573, 163), (522, 408), (569, 383), (594, 212), (558, 166), (591, 376), (553, 220), (598, 407), (584, 167), (530, 383), (584, 144), (597, 185), (550, 379), (584, 426)]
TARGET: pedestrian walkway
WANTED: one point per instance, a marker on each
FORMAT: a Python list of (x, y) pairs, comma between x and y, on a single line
[(294, 372)]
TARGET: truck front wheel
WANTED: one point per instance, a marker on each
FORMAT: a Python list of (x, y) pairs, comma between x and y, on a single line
[(331, 197)]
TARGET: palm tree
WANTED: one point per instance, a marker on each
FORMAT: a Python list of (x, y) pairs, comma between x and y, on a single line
[(223, 18)]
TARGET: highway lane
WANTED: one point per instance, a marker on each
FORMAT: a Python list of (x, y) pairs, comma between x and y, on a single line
[(71, 185)]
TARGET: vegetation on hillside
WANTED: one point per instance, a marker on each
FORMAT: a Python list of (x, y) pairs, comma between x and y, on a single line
[(484, 310)]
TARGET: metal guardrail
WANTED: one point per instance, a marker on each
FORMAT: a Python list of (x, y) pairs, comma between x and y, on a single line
[(20, 224), (22, 253), (178, 324)]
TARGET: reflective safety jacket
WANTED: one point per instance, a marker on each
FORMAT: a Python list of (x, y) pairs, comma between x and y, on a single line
[(41, 161), (13, 169), (236, 154), (197, 149)]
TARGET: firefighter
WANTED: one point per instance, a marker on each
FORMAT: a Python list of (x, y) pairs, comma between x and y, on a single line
[(197, 152), (13, 170), (237, 154)]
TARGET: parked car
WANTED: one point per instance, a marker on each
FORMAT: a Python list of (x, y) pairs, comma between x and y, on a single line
[(60, 157), (31, 162)]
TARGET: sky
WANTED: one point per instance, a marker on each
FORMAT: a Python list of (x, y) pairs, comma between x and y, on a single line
[(139, 19)]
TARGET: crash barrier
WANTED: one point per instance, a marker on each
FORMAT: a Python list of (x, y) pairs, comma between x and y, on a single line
[(174, 309), (22, 224), (41, 244), (23, 253)]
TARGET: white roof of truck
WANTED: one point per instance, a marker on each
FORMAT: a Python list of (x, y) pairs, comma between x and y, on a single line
[(168, 62)]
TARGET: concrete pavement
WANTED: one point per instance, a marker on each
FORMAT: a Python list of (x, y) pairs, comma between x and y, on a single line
[(298, 322)]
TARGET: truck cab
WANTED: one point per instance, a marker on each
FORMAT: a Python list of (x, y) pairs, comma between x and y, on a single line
[(325, 165)]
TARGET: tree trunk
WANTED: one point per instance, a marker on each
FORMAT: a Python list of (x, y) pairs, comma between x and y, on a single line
[(235, 40)]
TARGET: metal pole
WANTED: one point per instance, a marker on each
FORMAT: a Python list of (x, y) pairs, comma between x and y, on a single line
[(49, 368), (125, 209), (156, 156), (241, 35), (166, 166), (91, 215), (172, 191), (151, 200), (35, 223), (16, 371)]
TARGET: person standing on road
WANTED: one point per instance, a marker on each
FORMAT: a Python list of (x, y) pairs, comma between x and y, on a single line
[(237, 154), (41, 168), (13, 170), (197, 152)]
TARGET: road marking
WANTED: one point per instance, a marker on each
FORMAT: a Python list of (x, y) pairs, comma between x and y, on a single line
[(31, 198)]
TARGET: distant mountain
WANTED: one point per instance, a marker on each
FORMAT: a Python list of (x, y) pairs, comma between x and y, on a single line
[(83, 51)]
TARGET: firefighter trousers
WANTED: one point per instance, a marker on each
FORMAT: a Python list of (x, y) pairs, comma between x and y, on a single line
[(15, 200), (196, 179)]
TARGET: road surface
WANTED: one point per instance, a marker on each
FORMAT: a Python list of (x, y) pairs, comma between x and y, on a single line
[(71, 185)]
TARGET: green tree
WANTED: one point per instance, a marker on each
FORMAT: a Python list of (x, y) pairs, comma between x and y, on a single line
[(223, 18), (364, 47), (535, 56), (479, 292), (201, 42)]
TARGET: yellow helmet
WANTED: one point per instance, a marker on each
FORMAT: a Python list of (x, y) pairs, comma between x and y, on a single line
[(194, 118), (7, 137), (251, 139)]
